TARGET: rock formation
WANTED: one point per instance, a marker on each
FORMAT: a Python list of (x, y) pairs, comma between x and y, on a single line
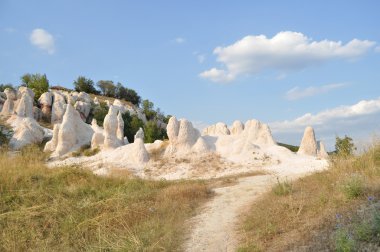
[(72, 133), (322, 153), (120, 129), (82, 96), (58, 107), (237, 128), (8, 106), (139, 153), (218, 129), (140, 134), (84, 109), (46, 101), (308, 144), (96, 101), (258, 133), (110, 129), (25, 104), (28, 131)]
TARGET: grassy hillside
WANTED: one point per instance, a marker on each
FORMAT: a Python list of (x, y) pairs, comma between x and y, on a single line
[(334, 210), (70, 209)]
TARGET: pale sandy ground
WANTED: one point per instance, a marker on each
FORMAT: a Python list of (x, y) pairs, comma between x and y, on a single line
[(215, 227)]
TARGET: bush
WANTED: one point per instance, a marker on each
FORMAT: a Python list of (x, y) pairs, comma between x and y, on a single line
[(107, 87), (37, 82), (4, 86), (131, 125), (282, 188), (127, 94), (353, 187), (100, 113), (82, 84), (344, 146), (153, 132), (344, 242)]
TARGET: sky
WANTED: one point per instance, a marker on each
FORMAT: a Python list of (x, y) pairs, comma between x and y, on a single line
[(286, 63)]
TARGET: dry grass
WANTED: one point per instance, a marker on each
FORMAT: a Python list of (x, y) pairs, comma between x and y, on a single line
[(102, 98), (70, 209), (304, 218)]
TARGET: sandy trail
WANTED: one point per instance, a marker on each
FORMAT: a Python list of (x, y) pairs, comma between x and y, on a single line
[(214, 228)]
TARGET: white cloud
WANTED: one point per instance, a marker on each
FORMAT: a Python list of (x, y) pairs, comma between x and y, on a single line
[(201, 58), (179, 40), (297, 93), (331, 116), (285, 51), (377, 49), (43, 40), (359, 121)]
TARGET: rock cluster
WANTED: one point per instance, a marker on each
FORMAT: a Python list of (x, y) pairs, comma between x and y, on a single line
[(309, 145)]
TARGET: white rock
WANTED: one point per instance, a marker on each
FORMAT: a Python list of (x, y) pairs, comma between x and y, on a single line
[(201, 146), (9, 104), (84, 97), (139, 152), (52, 144), (110, 129), (258, 133), (73, 133), (83, 108), (308, 144), (140, 134), (96, 101), (187, 134), (218, 129), (119, 106), (120, 129), (58, 107), (237, 128), (27, 132), (97, 140), (322, 153), (25, 105), (172, 129), (23, 90)]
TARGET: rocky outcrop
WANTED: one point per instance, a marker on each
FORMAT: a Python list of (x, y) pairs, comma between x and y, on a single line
[(200, 146), (96, 101), (9, 104), (37, 113), (52, 144), (82, 96), (84, 109), (120, 129), (139, 134), (28, 131), (219, 129), (308, 144), (321, 152), (110, 129), (46, 102), (25, 104), (139, 154), (237, 128), (58, 107), (258, 133), (72, 133), (182, 136)]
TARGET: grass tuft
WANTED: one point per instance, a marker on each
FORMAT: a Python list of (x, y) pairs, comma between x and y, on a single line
[(282, 188)]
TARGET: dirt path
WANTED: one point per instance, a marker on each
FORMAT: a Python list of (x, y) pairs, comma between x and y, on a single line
[(214, 229)]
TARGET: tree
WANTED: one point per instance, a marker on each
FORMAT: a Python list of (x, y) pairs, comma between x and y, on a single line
[(152, 132), (344, 146), (127, 94), (82, 84), (131, 125), (149, 112), (100, 113), (107, 87), (37, 82), (4, 86)]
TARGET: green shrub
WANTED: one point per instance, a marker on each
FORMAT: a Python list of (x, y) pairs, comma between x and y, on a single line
[(344, 241), (353, 187), (282, 188)]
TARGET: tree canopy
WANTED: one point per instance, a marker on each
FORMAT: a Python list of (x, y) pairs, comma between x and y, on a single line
[(82, 84), (37, 82), (344, 146)]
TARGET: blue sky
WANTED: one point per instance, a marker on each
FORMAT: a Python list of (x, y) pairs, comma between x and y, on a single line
[(313, 57)]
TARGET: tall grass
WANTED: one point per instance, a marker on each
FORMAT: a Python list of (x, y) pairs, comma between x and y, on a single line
[(70, 209), (305, 216)]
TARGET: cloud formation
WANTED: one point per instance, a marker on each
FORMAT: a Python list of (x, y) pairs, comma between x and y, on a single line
[(297, 93), (285, 51), (333, 119), (43, 40), (179, 40)]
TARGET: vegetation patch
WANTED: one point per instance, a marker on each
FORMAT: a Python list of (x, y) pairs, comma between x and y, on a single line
[(70, 209), (333, 210)]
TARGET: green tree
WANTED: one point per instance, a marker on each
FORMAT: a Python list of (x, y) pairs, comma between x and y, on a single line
[(344, 146), (107, 87), (100, 112), (152, 132), (37, 82), (4, 86), (149, 112), (131, 125), (82, 84), (127, 94)]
